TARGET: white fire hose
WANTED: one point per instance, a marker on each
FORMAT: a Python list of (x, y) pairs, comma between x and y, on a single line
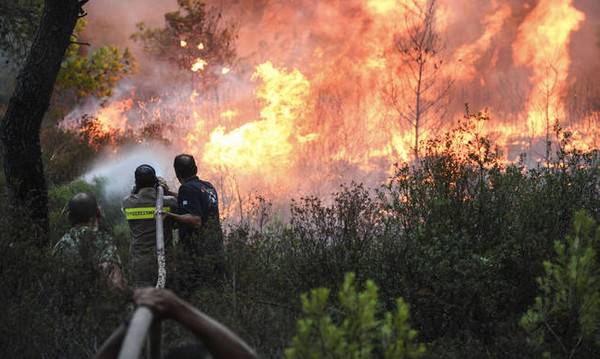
[(160, 240)]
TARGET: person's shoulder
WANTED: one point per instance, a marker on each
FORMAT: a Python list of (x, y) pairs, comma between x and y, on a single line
[(68, 243), (127, 200), (65, 241), (192, 182), (206, 183), (187, 188), (208, 187)]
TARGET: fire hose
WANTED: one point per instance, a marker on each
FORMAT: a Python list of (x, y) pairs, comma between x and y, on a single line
[(160, 240)]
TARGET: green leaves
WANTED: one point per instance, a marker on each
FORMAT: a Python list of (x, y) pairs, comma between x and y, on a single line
[(352, 329), (565, 319), (95, 74)]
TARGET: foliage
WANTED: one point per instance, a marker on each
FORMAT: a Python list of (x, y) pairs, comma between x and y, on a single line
[(205, 37), (82, 75), (94, 74), (51, 310), (565, 320), (461, 237), (356, 332), (18, 21), (69, 152)]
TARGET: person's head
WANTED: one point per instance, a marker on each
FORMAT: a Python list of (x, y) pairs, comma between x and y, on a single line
[(185, 167), (82, 209), (145, 176)]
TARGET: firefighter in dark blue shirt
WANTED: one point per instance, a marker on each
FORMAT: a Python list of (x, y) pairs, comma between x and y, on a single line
[(200, 233)]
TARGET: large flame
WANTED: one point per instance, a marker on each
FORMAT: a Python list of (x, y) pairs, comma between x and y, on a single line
[(468, 55), (322, 91), (267, 144), (543, 45)]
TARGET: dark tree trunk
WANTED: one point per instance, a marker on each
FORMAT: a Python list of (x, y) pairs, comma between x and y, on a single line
[(20, 132)]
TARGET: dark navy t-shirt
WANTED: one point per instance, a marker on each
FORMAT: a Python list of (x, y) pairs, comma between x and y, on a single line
[(198, 198)]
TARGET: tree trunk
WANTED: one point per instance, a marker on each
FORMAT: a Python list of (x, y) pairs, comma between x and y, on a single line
[(20, 131)]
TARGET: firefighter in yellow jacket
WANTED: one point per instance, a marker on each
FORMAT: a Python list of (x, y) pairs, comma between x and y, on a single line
[(139, 208)]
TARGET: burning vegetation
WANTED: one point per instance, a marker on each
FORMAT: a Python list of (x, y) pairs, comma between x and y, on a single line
[(271, 92)]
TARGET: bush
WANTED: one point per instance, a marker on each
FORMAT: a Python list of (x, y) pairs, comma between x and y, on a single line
[(356, 331), (460, 236), (565, 319)]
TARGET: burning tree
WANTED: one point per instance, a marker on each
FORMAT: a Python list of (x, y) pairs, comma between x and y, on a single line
[(195, 38), (413, 89)]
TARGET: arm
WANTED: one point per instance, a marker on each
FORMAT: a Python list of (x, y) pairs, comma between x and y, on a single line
[(190, 215), (218, 339), (189, 219)]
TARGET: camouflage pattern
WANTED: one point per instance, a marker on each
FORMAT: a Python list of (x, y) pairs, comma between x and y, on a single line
[(84, 242)]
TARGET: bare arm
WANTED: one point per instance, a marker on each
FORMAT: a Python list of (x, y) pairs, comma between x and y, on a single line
[(219, 340), (189, 219)]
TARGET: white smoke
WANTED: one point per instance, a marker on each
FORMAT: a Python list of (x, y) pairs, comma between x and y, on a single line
[(117, 170)]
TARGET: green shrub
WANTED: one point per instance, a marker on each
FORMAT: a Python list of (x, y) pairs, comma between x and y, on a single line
[(353, 328), (565, 319)]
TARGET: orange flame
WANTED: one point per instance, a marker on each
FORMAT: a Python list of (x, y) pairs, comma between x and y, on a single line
[(543, 45), (469, 54), (112, 117), (268, 143)]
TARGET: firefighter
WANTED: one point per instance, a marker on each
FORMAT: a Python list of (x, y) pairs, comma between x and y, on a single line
[(200, 233), (139, 208)]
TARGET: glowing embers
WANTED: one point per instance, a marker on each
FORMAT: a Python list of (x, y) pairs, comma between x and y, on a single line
[(198, 65)]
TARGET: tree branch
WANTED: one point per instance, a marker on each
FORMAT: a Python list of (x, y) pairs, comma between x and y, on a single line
[(81, 43)]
